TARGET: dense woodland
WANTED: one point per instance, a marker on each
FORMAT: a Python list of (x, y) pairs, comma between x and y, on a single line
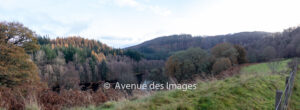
[(65, 72), (66, 62)]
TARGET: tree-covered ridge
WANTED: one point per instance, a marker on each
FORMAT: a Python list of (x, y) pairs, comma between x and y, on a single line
[(260, 46), (96, 48), (78, 42), (68, 62)]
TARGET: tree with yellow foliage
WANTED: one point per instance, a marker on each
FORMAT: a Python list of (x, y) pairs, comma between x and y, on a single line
[(16, 66), (100, 57)]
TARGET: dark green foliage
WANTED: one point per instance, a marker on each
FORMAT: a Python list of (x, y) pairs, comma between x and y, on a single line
[(50, 53), (92, 64), (83, 54), (103, 70), (161, 48), (133, 54), (43, 40), (69, 53)]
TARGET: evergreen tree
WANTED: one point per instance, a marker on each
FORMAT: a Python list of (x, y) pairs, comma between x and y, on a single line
[(103, 70)]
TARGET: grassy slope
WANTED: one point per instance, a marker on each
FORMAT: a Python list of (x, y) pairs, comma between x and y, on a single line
[(254, 88), (295, 98)]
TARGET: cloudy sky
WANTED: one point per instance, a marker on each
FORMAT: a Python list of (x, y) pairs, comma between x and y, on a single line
[(121, 23)]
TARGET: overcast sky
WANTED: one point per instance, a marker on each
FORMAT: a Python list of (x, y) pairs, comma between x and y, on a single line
[(122, 23)]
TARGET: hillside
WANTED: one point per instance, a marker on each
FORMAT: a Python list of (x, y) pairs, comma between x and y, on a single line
[(42, 73), (278, 44), (253, 88), (149, 55), (162, 47)]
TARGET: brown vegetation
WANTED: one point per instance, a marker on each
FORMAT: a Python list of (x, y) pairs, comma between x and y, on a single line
[(17, 98)]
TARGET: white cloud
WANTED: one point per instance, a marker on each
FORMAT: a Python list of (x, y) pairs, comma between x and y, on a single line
[(131, 3), (133, 21)]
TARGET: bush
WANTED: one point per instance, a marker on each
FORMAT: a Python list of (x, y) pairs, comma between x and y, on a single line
[(242, 57), (220, 65), (184, 64), (226, 50), (157, 75)]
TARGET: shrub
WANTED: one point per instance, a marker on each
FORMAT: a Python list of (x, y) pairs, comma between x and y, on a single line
[(220, 65), (184, 64), (242, 57), (226, 50), (157, 75)]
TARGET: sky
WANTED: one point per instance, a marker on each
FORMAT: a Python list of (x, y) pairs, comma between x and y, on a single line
[(123, 23)]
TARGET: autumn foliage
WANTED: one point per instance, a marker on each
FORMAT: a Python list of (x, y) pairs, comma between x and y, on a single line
[(15, 65), (46, 99), (66, 72)]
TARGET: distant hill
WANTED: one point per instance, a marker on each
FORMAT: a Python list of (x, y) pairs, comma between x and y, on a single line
[(162, 47)]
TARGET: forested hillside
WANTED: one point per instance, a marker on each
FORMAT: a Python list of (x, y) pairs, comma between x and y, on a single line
[(59, 73), (260, 46), (66, 62), (64, 72)]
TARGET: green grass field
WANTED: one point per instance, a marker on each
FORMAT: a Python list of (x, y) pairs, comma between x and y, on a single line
[(295, 98), (253, 88)]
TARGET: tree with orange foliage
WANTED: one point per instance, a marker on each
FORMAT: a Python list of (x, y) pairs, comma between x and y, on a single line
[(16, 66), (99, 56), (18, 35)]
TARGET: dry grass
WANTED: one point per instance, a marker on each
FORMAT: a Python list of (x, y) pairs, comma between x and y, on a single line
[(29, 97)]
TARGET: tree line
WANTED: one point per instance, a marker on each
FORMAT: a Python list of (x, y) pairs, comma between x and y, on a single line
[(184, 65), (260, 46)]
